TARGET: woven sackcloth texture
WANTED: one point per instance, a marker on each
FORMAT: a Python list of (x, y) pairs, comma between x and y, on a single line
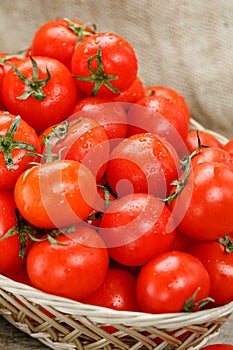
[(186, 45)]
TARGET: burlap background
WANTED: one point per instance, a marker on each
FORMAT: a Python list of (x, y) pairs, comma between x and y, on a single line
[(186, 45)]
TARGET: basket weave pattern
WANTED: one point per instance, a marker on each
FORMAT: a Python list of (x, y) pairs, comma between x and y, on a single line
[(63, 324)]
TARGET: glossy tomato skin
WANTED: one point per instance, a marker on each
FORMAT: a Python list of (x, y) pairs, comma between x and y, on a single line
[(9, 247), (56, 39), (24, 133), (219, 265), (136, 228), (171, 94), (118, 291), (203, 210), (74, 269), (60, 93), (166, 282), (118, 59), (213, 154), (84, 141), (205, 137), (56, 194), (134, 93), (111, 115), (160, 116), (229, 147), (142, 163)]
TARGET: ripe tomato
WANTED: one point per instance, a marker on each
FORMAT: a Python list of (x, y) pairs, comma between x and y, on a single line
[(171, 94), (56, 194), (42, 91), (160, 116), (169, 280), (104, 64), (218, 347), (136, 228), (203, 209), (5, 59), (134, 93), (205, 139), (80, 139), (74, 267), (111, 115), (212, 154), (10, 261), (17, 139), (118, 291), (142, 163), (217, 257), (229, 147), (57, 39)]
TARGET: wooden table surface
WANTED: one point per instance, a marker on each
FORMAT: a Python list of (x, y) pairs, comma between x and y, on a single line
[(13, 339)]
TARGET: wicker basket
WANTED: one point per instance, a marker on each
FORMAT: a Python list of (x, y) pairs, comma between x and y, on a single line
[(61, 323)]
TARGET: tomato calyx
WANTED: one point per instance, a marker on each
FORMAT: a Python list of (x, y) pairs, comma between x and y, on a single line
[(98, 214), (7, 144), (80, 30), (98, 76), (52, 236), (227, 242), (185, 163), (190, 306), (23, 229), (3, 59), (35, 85)]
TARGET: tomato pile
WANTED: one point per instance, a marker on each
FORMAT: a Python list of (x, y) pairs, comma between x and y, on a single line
[(106, 196)]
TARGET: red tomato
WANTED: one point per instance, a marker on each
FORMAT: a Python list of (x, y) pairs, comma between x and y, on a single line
[(57, 39), (79, 264), (171, 94), (169, 280), (80, 139), (203, 209), (56, 194), (105, 112), (46, 97), (104, 64), (136, 228), (213, 154), (118, 292), (218, 347), (205, 139), (229, 147), (17, 139), (142, 163), (217, 257), (134, 93), (181, 242), (9, 247), (160, 116)]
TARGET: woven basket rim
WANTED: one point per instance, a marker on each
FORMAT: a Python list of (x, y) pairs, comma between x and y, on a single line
[(105, 315)]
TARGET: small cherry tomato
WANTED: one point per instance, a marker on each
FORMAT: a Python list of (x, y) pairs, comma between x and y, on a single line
[(172, 282), (73, 267), (18, 142), (136, 228), (142, 163), (104, 64), (41, 90), (57, 39), (56, 194), (118, 291), (205, 138)]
